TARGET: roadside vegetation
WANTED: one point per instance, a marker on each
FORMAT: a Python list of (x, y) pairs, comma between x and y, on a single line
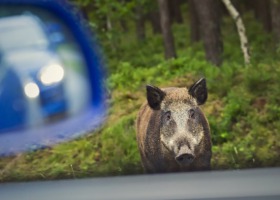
[(243, 106)]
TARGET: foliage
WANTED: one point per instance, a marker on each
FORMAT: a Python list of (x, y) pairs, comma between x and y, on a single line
[(242, 109)]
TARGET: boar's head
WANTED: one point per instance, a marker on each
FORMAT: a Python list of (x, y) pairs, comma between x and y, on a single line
[(182, 124)]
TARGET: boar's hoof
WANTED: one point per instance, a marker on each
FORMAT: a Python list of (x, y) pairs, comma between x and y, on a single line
[(184, 159)]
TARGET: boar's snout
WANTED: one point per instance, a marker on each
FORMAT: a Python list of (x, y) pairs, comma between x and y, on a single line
[(184, 157)]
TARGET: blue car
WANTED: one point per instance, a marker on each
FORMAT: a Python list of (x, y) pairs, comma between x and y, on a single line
[(32, 70)]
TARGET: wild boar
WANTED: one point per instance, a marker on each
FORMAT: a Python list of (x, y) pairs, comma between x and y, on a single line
[(173, 134)]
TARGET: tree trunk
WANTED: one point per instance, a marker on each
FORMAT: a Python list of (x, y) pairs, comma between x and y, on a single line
[(155, 21), (275, 18), (84, 11), (175, 11), (237, 4), (262, 13), (123, 25), (208, 16), (240, 28), (166, 29), (140, 24), (248, 5), (194, 22)]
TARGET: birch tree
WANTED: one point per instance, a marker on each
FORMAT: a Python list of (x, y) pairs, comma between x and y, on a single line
[(240, 29)]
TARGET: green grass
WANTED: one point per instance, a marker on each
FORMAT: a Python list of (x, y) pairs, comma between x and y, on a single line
[(242, 109)]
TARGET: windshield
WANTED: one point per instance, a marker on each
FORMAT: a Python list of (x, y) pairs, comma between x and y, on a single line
[(26, 36), (193, 100)]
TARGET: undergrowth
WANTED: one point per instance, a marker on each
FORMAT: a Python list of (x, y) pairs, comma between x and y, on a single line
[(242, 109)]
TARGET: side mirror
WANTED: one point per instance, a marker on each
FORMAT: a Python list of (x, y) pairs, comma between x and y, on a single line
[(55, 33), (51, 85)]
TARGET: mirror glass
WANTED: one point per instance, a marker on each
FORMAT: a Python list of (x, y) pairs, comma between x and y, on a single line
[(44, 78)]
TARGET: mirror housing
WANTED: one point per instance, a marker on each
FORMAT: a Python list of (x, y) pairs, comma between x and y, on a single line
[(16, 139)]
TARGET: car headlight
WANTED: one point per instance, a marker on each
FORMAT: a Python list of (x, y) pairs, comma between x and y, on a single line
[(31, 90), (51, 74)]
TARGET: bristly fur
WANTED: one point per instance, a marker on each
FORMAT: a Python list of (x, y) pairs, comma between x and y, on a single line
[(174, 135)]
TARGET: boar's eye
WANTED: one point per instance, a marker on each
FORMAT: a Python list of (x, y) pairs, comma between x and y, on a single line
[(167, 116), (192, 113)]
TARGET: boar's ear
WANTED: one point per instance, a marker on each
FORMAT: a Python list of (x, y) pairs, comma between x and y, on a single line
[(154, 96), (199, 91)]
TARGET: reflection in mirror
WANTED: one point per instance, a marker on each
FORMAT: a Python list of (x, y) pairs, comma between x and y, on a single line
[(50, 76), (43, 75)]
